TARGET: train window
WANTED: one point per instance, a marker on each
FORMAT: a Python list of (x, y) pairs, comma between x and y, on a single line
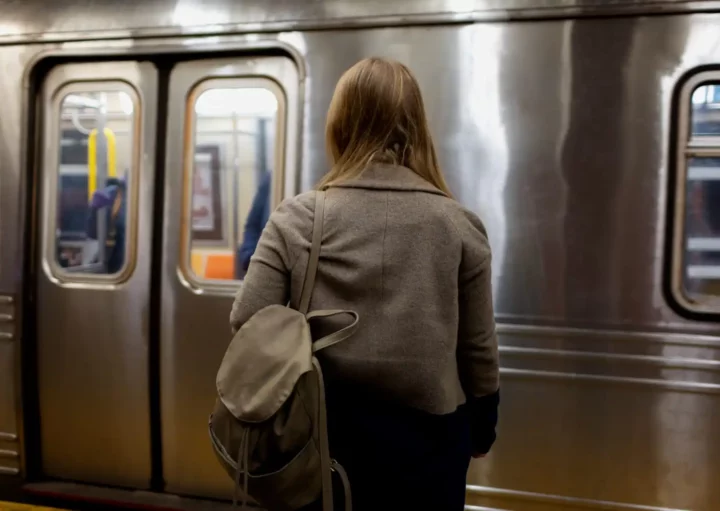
[(705, 108), (97, 131), (235, 127), (696, 275)]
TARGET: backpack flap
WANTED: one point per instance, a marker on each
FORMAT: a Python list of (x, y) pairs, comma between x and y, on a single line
[(263, 363)]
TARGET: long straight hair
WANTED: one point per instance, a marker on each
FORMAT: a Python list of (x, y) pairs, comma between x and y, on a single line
[(377, 115)]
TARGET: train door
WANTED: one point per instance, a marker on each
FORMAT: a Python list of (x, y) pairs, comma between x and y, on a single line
[(94, 273), (232, 126)]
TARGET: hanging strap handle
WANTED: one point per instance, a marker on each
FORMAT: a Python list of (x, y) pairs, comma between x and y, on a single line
[(314, 258)]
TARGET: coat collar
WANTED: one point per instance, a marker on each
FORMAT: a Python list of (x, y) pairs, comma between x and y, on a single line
[(389, 177)]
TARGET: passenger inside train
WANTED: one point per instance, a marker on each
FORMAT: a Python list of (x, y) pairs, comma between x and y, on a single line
[(109, 206), (256, 220)]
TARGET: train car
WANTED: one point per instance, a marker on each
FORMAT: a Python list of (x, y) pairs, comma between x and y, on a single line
[(143, 142)]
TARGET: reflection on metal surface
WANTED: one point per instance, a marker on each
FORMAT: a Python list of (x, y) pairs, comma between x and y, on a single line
[(681, 386), (9, 456), (125, 498), (561, 500), (92, 337), (670, 362), (65, 20), (672, 338)]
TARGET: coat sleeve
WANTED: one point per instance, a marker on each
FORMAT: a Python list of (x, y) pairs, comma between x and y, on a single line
[(483, 420), (477, 353), (268, 278), (477, 342)]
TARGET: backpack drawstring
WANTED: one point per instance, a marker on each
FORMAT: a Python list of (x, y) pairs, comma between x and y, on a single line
[(340, 471), (243, 467)]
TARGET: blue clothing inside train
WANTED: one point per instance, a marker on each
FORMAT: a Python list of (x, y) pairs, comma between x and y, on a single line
[(112, 202), (257, 218)]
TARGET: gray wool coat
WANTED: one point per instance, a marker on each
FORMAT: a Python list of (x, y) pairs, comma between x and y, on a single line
[(413, 263)]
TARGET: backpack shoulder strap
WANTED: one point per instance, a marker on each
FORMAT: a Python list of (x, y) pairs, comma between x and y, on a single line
[(340, 335), (314, 258)]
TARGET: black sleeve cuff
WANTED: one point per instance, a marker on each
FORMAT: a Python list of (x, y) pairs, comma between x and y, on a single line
[(484, 417)]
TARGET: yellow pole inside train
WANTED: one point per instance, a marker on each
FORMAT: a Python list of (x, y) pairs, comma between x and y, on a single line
[(92, 158)]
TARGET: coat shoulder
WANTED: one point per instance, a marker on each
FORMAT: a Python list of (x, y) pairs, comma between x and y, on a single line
[(467, 222)]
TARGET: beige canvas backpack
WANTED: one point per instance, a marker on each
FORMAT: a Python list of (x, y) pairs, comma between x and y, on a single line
[(269, 425)]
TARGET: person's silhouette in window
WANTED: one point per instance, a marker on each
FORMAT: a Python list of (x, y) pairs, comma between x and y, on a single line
[(256, 220), (112, 201)]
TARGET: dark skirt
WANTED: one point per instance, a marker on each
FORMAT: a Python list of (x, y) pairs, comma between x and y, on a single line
[(398, 458)]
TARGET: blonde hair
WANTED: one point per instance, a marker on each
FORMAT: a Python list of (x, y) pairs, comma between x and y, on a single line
[(377, 115)]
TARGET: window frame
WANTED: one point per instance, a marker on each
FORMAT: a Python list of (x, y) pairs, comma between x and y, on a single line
[(688, 147), (198, 283), (51, 168)]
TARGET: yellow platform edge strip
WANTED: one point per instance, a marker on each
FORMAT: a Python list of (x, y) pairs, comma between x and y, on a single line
[(15, 506)]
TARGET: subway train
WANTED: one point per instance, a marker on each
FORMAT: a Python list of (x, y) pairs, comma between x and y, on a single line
[(143, 142)]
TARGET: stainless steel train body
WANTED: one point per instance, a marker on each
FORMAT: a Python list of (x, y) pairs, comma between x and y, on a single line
[(584, 133)]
